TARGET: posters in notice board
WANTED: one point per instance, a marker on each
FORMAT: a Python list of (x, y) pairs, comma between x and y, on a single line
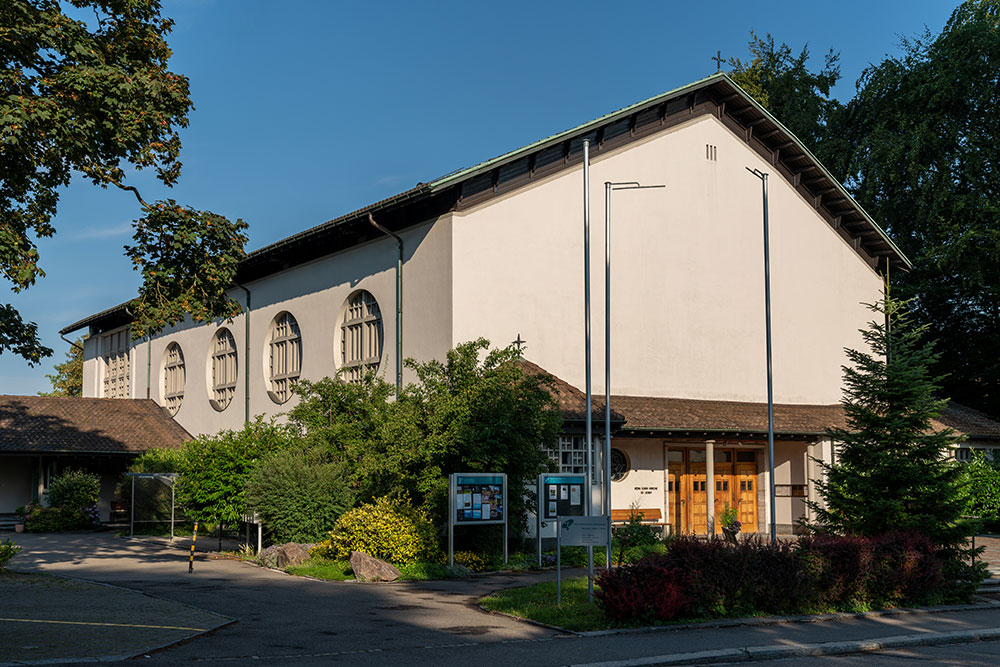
[(479, 499)]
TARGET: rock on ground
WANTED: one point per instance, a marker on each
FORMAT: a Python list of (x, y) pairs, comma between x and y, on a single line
[(367, 568), (291, 554)]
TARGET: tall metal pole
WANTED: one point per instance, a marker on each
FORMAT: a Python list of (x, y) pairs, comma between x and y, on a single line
[(767, 327), (606, 481), (586, 329), (606, 491)]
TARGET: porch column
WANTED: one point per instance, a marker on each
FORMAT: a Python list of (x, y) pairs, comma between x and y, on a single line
[(710, 485)]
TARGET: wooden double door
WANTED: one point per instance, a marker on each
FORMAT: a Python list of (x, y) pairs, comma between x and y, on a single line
[(687, 488)]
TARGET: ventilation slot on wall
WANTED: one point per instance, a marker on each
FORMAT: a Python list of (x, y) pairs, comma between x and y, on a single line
[(711, 152)]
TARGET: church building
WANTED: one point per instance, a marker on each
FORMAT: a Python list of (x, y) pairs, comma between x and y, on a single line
[(496, 251)]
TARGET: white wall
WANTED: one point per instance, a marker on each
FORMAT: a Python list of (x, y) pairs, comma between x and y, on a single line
[(688, 303), (314, 294)]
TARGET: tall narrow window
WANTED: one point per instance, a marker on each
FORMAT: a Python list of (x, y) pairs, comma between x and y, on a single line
[(224, 369), (173, 378), (115, 353), (360, 336), (286, 356)]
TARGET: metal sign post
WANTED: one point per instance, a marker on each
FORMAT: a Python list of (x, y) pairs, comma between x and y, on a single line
[(580, 531), (476, 499), (558, 495)]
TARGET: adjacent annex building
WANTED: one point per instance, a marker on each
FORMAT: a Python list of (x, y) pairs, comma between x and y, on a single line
[(496, 250), (42, 437)]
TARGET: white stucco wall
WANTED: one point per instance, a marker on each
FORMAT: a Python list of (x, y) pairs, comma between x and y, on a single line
[(688, 303), (314, 294)]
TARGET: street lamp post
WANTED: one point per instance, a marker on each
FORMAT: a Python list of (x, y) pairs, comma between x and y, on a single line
[(609, 187), (767, 325)]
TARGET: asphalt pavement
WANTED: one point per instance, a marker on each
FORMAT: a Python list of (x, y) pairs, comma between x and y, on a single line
[(282, 619)]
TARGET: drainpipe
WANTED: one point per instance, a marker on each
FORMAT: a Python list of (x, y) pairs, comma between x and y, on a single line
[(399, 304), (246, 358)]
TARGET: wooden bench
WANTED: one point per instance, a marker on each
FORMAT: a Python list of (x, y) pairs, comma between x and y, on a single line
[(649, 516)]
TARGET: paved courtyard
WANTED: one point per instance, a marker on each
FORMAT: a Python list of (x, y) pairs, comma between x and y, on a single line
[(291, 620)]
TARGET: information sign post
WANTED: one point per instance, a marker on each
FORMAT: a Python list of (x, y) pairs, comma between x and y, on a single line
[(559, 495), (476, 499), (579, 531)]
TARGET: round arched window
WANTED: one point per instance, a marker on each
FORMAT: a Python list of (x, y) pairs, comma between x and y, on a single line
[(360, 336), (285, 351), (619, 465), (224, 369), (173, 378)]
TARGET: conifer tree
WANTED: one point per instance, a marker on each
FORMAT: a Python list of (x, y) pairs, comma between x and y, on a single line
[(892, 471)]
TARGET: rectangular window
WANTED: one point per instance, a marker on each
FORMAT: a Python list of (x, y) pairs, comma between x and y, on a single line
[(115, 355), (570, 454)]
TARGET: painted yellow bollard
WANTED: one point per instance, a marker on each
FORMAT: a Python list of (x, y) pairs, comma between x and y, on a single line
[(194, 539)]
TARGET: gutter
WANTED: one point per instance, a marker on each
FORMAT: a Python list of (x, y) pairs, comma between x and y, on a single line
[(246, 356), (399, 304)]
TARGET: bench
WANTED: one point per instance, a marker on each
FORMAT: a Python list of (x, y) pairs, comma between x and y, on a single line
[(649, 516)]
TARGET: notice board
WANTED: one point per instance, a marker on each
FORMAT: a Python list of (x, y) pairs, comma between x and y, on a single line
[(479, 498), (561, 495)]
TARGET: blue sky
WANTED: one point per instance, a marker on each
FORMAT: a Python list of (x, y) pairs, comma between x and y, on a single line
[(305, 111)]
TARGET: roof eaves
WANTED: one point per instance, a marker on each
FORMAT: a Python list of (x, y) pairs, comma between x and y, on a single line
[(114, 310), (462, 174)]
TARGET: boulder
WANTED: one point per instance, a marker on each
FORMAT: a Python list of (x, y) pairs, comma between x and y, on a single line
[(367, 568), (291, 554)]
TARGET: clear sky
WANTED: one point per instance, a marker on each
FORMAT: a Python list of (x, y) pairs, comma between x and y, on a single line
[(305, 111)]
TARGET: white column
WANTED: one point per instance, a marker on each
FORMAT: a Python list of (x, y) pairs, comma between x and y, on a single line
[(710, 484)]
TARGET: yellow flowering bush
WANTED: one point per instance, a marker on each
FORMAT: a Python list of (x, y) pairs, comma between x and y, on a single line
[(475, 562), (387, 529)]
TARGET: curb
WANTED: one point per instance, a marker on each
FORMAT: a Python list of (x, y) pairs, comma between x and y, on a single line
[(756, 653)]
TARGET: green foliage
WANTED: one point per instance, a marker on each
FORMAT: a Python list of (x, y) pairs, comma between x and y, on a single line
[(478, 411), (538, 603), (207, 246), (97, 100), (7, 551), (784, 85), (983, 487), (158, 459), (633, 536), (923, 140), (387, 529), (299, 494), (427, 571), (215, 469), (475, 412), (321, 568), (68, 378), (75, 490), (892, 471), (55, 519), (475, 562)]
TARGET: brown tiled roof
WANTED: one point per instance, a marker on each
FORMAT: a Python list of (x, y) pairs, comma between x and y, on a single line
[(972, 423), (41, 424), (649, 413), (571, 400)]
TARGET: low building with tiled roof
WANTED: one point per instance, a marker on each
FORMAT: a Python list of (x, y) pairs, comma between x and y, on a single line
[(42, 436)]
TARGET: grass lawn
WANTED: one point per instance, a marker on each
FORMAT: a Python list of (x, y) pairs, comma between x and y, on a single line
[(321, 568), (538, 603)]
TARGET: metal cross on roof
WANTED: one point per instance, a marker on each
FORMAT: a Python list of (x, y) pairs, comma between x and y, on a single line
[(519, 343), (718, 61)]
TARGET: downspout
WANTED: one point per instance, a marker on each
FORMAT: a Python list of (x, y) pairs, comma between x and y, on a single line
[(399, 304), (246, 358)]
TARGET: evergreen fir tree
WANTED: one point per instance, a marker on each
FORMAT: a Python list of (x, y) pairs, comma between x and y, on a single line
[(892, 470)]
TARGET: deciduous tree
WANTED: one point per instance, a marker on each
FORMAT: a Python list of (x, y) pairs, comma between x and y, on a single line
[(68, 378), (85, 88)]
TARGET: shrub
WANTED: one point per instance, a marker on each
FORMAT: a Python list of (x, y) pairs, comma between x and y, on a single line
[(7, 551), (983, 489), (386, 529), (298, 494), (473, 561), (75, 489), (650, 590), (55, 519)]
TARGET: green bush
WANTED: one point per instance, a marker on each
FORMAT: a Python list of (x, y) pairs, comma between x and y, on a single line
[(387, 529), (56, 519), (7, 551), (983, 488), (75, 489), (299, 495)]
